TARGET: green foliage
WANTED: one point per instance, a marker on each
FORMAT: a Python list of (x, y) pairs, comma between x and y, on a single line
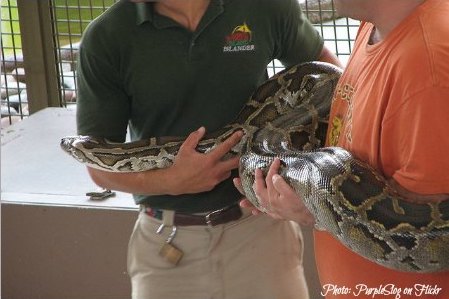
[(10, 28), (71, 18)]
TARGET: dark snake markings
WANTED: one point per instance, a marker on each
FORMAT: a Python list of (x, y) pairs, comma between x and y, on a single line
[(287, 117)]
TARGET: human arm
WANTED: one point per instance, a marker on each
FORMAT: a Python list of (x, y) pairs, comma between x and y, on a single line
[(350, 198), (326, 55), (299, 40), (110, 101), (281, 201), (414, 169), (191, 172)]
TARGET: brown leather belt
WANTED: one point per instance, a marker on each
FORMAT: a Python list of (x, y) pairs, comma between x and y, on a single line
[(213, 218)]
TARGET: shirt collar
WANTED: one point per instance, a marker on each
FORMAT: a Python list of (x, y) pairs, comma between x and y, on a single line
[(145, 10)]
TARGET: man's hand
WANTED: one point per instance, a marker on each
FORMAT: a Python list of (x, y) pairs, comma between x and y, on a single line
[(244, 202), (197, 172), (277, 197)]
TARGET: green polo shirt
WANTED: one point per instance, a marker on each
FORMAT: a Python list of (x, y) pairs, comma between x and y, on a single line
[(142, 71)]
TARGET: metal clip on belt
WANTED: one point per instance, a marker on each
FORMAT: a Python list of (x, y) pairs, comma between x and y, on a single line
[(213, 218)]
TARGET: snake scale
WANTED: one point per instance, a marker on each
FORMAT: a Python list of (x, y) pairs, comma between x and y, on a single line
[(287, 117)]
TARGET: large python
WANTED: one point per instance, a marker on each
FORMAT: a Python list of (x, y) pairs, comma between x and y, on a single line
[(287, 117)]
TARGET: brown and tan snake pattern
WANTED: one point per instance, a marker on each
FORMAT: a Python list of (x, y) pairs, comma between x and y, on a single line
[(287, 117)]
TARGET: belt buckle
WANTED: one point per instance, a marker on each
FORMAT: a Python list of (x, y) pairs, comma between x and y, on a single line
[(209, 217)]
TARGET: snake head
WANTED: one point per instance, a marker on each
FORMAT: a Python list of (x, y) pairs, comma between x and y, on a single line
[(71, 144), (67, 142)]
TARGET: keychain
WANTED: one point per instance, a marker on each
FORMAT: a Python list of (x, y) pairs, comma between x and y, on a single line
[(168, 251)]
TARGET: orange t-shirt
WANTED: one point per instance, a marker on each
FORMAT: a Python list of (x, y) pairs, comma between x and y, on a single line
[(391, 109)]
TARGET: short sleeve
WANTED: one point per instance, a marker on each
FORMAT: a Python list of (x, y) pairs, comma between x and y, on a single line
[(298, 40), (103, 108)]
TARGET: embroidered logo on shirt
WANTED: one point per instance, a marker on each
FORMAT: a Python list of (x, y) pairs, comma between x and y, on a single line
[(239, 40)]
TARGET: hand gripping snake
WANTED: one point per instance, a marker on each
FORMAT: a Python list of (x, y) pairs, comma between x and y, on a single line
[(287, 117)]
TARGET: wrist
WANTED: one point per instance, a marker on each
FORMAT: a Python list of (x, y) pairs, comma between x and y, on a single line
[(166, 183)]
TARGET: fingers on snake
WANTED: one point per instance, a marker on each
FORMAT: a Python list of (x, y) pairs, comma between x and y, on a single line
[(230, 164), (281, 185), (238, 184), (193, 139), (224, 147), (259, 186), (274, 169), (223, 171)]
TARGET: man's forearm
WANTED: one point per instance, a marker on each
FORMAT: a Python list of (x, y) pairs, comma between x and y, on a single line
[(152, 182), (327, 56)]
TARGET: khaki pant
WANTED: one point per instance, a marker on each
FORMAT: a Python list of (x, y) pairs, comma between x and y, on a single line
[(255, 257)]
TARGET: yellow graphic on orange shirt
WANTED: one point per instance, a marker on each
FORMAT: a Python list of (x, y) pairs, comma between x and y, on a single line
[(343, 99), (345, 91), (334, 133)]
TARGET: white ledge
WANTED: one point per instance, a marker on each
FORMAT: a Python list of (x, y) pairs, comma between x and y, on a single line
[(34, 169)]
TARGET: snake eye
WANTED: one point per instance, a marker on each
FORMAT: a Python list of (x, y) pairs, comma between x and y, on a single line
[(66, 143)]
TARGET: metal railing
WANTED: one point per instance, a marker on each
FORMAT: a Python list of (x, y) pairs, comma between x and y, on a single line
[(69, 19), (40, 39), (14, 104)]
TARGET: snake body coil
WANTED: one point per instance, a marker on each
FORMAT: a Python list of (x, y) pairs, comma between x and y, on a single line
[(287, 117)]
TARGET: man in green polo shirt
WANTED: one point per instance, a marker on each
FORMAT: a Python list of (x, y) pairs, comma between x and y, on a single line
[(167, 68)]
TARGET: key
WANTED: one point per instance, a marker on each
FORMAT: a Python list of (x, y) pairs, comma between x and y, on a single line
[(169, 251)]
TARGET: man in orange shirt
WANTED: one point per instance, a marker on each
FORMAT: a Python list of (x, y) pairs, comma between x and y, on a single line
[(389, 110)]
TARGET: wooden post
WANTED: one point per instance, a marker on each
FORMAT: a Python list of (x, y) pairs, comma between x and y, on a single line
[(39, 54)]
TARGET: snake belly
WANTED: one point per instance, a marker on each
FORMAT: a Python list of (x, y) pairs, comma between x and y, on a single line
[(287, 117), (354, 203)]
